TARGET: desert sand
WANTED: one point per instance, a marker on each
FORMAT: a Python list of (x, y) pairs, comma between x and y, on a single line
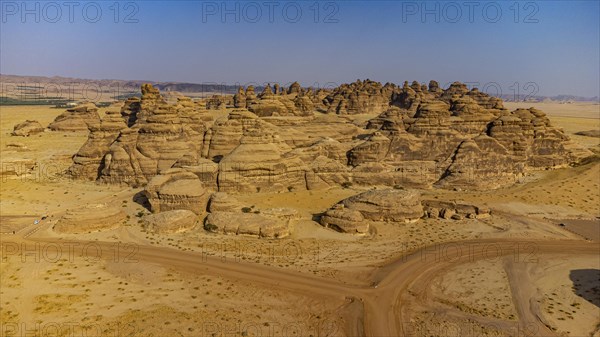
[(516, 271)]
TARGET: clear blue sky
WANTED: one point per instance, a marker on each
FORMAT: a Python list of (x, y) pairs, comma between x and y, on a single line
[(554, 44)]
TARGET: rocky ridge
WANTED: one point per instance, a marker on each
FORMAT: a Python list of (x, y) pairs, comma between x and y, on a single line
[(285, 139)]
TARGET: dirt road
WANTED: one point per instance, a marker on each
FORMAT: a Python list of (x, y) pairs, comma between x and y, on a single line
[(383, 309)]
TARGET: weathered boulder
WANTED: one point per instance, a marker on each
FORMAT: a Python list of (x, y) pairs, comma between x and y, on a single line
[(246, 224), (589, 133), (387, 205), (79, 118), (345, 220), (27, 128), (17, 146), (91, 218), (223, 202), (171, 222), (176, 189), (454, 210)]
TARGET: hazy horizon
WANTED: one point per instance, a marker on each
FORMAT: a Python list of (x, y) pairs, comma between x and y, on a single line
[(540, 48)]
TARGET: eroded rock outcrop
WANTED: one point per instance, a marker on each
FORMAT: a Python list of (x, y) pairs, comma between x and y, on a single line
[(345, 220), (226, 133), (589, 133), (360, 97), (79, 118), (27, 128), (177, 189), (283, 139), (457, 138), (91, 218), (455, 211), (88, 162), (223, 202), (387, 205), (262, 162), (161, 135), (250, 224), (171, 222), (355, 214), (292, 102)]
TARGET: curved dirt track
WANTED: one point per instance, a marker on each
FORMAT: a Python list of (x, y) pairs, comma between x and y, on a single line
[(384, 312)]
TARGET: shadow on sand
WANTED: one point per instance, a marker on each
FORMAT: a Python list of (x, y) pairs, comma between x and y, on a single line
[(586, 284)]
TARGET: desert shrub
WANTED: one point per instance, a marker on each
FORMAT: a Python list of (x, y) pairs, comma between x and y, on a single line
[(210, 227)]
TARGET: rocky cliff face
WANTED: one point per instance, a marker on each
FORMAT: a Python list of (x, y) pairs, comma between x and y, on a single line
[(458, 138), (296, 138)]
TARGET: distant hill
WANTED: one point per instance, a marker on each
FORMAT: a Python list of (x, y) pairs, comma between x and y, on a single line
[(15, 89), (557, 98), (166, 86)]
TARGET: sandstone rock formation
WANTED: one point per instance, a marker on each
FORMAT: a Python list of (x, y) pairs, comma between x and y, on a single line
[(176, 189), (88, 163), (27, 128), (90, 218), (79, 118), (453, 210), (284, 139), (262, 162), (223, 202), (160, 136), (457, 138), (345, 220), (589, 133), (217, 102), (246, 224), (229, 216), (355, 214), (17, 146), (226, 134), (170, 222), (360, 97), (291, 103), (239, 99), (387, 205)]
